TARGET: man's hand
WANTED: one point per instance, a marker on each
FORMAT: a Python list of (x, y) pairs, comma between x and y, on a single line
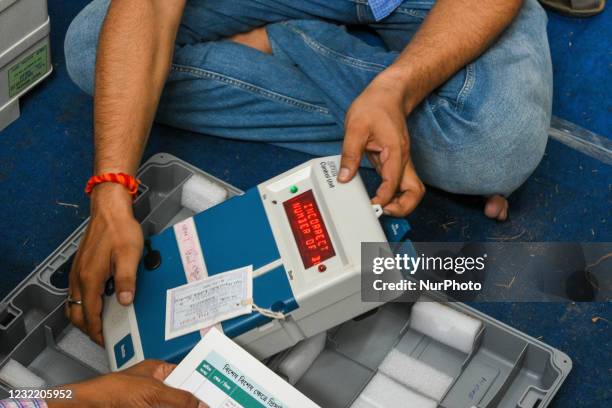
[(376, 121), (126, 96), (112, 245), (376, 124), (140, 386)]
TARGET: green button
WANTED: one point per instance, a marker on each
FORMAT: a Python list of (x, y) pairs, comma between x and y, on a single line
[(293, 189)]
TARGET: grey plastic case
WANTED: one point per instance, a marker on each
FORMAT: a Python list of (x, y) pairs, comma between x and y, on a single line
[(25, 55), (506, 369)]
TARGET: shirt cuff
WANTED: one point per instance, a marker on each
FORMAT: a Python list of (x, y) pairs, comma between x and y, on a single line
[(22, 403)]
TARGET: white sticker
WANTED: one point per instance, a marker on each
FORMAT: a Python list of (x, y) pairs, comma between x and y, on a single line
[(204, 303), (190, 249)]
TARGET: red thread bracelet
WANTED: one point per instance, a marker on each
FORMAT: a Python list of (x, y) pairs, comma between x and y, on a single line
[(129, 182)]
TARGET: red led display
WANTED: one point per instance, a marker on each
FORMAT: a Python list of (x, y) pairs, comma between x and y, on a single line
[(308, 228)]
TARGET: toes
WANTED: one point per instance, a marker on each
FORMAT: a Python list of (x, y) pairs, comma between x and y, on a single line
[(503, 215), (496, 208), (493, 207)]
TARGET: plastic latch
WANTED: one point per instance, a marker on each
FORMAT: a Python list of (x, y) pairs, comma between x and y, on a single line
[(395, 229), (378, 211)]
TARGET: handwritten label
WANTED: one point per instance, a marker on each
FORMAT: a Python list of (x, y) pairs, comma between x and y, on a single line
[(203, 303), (190, 249)]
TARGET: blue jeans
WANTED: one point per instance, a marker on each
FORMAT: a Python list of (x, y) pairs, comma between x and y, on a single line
[(483, 132)]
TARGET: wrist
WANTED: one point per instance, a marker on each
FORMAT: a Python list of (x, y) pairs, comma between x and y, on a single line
[(116, 189), (116, 165), (112, 197), (400, 83)]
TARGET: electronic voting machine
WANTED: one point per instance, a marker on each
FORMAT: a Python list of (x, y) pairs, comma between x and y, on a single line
[(301, 232)]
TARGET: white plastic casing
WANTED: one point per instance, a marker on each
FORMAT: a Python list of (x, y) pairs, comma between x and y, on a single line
[(327, 298)]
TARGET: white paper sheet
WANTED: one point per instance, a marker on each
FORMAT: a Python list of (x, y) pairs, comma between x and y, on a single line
[(204, 303), (223, 375)]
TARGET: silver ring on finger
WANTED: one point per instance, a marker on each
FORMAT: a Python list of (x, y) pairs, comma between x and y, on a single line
[(71, 301)]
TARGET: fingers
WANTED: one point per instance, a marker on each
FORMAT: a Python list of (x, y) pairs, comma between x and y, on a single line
[(150, 368), (92, 288), (390, 172), (175, 398), (156, 372), (412, 191), (353, 147), (92, 309), (147, 368), (379, 128), (80, 288), (108, 246), (75, 312), (163, 370), (125, 265), (374, 159)]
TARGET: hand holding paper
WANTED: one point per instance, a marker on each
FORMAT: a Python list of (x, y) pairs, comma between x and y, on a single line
[(223, 375)]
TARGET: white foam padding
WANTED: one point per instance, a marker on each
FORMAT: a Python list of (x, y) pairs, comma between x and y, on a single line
[(415, 374), (301, 357), (79, 345), (15, 375), (200, 194), (384, 392), (445, 325)]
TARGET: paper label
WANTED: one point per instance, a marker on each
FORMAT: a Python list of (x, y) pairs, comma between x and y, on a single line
[(204, 303), (223, 375), (190, 249), (28, 70)]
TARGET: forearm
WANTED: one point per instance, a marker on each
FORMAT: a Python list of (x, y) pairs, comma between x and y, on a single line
[(454, 33), (134, 56)]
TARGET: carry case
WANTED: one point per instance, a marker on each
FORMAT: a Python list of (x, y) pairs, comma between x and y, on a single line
[(505, 368), (25, 57)]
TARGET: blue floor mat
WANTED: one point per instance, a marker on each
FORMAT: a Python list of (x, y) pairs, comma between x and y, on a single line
[(582, 69), (46, 156)]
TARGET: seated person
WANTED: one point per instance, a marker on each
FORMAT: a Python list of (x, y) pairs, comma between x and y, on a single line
[(459, 98)]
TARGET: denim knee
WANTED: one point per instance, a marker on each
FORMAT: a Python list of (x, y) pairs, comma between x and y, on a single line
[(503, 152), (80, 44), (491, 137), (511, 152), (512, 122)]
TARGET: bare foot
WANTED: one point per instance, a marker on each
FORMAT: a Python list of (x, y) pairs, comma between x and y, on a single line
[(496, 208), (257, 38)]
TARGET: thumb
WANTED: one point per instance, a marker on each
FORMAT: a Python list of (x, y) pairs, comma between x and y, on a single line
[(125, 265), (352, 149), (175, 398)]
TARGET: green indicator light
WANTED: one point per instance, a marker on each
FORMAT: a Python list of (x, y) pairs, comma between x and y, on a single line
[(293, 189)]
